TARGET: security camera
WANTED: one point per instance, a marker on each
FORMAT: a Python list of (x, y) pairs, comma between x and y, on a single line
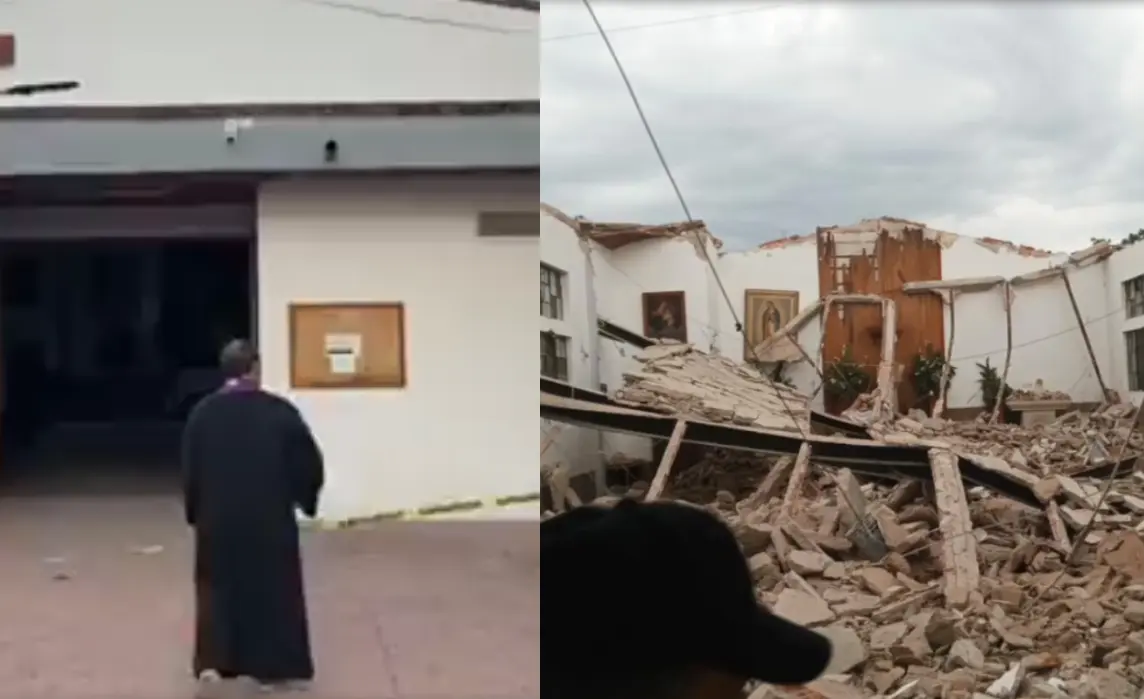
[(230, 129)]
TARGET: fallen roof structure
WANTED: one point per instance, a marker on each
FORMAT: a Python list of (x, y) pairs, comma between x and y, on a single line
[(878, 460), (683, 381), (820, 422), (613, 236)]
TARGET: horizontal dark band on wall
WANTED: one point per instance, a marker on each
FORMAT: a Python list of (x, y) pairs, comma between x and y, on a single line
[(13, 110), (277, 144)]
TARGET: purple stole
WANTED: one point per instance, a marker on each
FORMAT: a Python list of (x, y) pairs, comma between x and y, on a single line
[(239, 384)]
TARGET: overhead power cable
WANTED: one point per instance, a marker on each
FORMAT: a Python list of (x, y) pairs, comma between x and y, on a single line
[(779, 390), (669, 22)]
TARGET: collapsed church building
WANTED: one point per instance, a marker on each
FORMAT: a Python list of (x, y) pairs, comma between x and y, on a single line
[(993, 550)]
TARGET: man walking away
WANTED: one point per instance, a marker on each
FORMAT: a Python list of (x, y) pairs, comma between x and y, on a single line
[(248, 461)]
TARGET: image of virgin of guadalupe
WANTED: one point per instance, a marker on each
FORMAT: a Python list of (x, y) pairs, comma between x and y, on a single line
[(772, 321)]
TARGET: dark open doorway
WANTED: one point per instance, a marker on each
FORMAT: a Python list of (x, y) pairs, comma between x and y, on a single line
[(106, 346)]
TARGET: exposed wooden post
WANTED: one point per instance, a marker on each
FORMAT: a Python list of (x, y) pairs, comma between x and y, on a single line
[(958, 547), (796, 481), (1007, 290), (1057, 525), (939, 406), (887, 386), (1084, 334), (820, 362), (659, 482), (775, 479)]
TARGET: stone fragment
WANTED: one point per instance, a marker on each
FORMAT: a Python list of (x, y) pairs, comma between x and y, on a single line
[(1101, 683), (965, 653), (913, 650), (849, 651), (1010, 595), (763, 568), (877, 580), (1134, 613), (940, 631), (834, 571), (1135, 644), (802, 608), (1007, 685), (808, 562), (886, 636)]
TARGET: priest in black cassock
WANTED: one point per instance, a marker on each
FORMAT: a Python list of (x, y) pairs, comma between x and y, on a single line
[(249, 460)]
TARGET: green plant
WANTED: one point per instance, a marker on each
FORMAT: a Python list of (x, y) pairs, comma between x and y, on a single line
[(989, 381), (928, 368), (846, 379)]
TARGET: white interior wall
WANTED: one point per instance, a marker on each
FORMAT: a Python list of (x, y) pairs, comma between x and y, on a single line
[(793, 267), (624, 275), (1047, 342), (458, 430)]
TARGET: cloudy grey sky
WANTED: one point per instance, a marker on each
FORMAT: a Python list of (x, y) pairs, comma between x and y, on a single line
[(1019, 121)]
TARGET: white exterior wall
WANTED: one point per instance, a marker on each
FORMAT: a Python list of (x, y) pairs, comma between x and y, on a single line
[(617, 358), (574, 447), (268, 51), (593, 360), (1122, 266), (459, 429), (621, 278)]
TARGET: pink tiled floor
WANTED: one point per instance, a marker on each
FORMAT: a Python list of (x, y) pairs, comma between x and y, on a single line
[(400, 610)]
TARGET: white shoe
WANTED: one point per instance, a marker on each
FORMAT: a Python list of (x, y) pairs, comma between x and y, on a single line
[(209, 685)]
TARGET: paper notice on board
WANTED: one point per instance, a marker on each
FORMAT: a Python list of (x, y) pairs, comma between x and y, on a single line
[(343, 351)]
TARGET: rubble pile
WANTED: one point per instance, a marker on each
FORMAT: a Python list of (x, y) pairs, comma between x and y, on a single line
[(935, 575), (1073, 443), (721, 470), (680, 380), (1035, 627), (863, 562)]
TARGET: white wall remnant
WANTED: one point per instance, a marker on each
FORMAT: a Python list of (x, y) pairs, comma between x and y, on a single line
[(1046, 345)]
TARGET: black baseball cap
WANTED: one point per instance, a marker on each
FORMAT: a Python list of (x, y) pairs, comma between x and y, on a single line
[(661, 585)]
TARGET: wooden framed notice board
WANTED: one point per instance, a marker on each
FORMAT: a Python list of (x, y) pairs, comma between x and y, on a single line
[(347, 345)]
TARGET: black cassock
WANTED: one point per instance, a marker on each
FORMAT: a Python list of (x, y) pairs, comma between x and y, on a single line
[(249, 460)]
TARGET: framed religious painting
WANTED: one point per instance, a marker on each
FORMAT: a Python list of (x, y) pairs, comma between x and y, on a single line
[(665, 315), (766, 311)]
